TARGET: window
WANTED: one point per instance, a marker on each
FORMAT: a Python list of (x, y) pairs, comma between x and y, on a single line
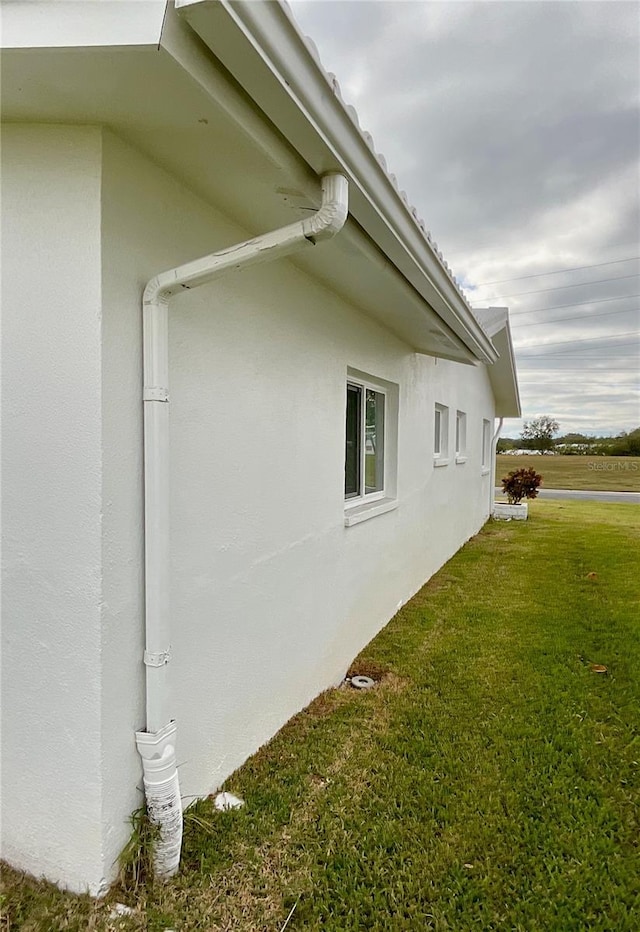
[(441, 435), (364, 473), (486, 445), (461, 437), (371, 447)]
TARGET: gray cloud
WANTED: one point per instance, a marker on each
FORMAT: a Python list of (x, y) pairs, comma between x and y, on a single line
[(514, 129)]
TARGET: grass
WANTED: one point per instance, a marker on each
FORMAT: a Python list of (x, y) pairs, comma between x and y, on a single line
[(597, 473), (488, 782)]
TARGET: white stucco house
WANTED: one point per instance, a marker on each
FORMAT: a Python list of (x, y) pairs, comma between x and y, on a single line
[(177, 585)]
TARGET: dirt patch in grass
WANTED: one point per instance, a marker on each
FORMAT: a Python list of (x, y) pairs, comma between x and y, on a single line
[(366, 667)]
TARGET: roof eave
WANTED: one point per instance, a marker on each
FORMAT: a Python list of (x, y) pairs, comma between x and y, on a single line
[(286, 81), (502, 374), (514, 409)]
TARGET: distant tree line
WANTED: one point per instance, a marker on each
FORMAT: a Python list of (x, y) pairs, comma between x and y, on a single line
[(539, 437)]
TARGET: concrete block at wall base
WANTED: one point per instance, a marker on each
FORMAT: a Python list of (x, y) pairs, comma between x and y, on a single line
[(502, 511)]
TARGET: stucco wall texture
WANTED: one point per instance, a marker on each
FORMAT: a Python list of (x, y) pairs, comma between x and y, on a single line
[(51, 501), (271, 594)]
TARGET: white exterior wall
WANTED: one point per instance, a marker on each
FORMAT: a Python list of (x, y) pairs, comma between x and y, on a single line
[(51, 502), (272, 595)]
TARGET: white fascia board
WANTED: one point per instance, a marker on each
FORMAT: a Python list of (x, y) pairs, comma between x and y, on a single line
[(261, 46), (70, 24), (502, 374), (510, 360)]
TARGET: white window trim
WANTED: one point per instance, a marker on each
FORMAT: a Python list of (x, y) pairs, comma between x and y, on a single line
[(486, 447), (362, 512), (441, 457), (360, 508), (354, 500), (461, 437)]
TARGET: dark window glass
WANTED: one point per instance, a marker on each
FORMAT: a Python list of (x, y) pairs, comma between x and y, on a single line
[(353, 432)]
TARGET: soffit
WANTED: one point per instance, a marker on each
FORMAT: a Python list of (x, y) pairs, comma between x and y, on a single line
[(205, 131), (43, 24), (261, 46)]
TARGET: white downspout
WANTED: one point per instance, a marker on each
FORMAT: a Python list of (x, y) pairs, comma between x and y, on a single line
[(157, 743), (494, 447)]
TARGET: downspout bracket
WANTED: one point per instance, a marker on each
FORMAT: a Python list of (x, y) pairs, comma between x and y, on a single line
[(155, 394), (157, 659)]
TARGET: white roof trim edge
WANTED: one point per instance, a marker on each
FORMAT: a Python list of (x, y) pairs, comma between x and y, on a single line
[(275, 38)]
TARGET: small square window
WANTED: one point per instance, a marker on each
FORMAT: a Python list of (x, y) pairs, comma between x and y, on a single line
[(441, 434)]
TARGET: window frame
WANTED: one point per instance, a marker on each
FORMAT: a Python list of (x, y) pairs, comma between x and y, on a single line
[(360, 497), (486, 446), (461, 436), (440, 435)]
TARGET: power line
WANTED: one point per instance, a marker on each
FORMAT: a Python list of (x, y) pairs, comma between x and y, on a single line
[(573, 356), (556, 307), (584, 369), (608, 364), (602, 370), (607, 357), (598, 281), (586, 319), (585, 352), (613, 336), (552, 372), (560, 358), (577, 268), (607, 350)]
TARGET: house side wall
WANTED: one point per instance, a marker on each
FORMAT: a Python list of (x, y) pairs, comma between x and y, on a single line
[(271, 594), (150, 222), (122, 629), (51, 472)]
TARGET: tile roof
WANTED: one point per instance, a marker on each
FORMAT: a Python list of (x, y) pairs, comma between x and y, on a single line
[(333, 83)]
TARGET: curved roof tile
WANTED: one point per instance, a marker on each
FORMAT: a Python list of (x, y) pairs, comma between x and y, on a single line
[(333, 83)]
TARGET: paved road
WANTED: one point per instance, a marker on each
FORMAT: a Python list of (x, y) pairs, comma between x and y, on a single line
[(627, 497)]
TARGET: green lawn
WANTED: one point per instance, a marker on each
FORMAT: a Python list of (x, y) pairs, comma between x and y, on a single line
[(599, 473), (488, 782)]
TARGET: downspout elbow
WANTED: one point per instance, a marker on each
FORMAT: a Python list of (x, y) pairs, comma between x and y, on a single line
[(322, 224), (333, 212), (152, 293)]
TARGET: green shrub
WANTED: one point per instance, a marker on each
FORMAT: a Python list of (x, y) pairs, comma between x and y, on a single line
[(521, 483)]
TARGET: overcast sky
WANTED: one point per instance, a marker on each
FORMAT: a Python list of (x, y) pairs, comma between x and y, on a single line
[(514, 129)]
